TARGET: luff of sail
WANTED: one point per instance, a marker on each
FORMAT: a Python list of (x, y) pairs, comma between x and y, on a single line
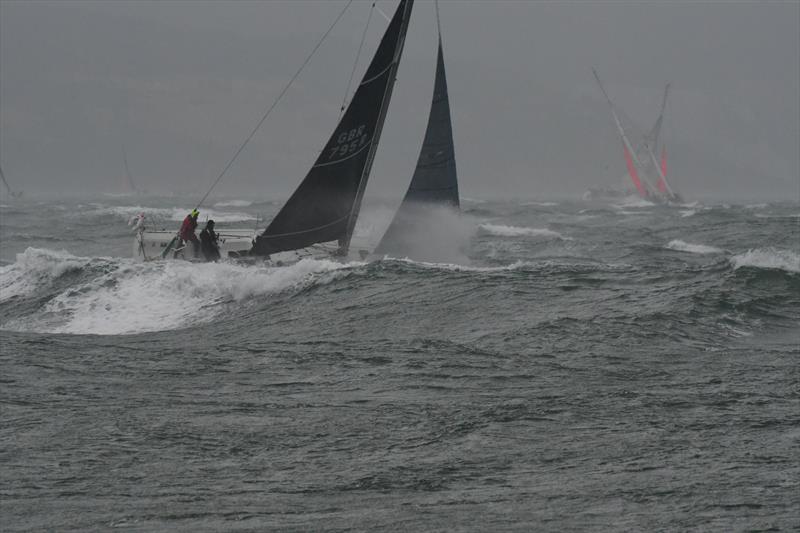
[(325, 206), (435, 180)]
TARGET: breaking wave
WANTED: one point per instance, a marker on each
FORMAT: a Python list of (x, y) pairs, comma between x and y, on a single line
[(541, 204), (632, 201), (472, 200), (682, 246), (175, 214), (769, 258), (633, 213), (124, 297), (35, 269), (516, 231), (234, 203), (515, 266)]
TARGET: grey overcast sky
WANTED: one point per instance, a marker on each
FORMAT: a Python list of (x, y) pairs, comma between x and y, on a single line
[(181, 83)]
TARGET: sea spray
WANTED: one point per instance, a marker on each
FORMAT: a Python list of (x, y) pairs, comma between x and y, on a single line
[(142, 297)]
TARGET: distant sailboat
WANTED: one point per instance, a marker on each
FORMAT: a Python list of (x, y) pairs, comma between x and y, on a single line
[(11, 193), (435, 180), (128, 176), (319, 218), (645, 171)]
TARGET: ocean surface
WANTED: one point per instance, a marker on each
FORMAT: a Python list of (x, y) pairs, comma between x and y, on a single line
[(563, 366)]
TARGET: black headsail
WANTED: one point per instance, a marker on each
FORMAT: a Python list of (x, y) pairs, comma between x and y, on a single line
[(326, 204), (435, 180)]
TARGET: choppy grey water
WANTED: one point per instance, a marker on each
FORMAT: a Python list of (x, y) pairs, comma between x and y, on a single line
[(582, 367)]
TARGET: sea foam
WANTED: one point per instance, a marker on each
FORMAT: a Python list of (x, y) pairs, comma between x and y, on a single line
[(128, 297), (769, 258), (632, 201), (234, 203), (682, 246), (34, 269), (516, 231), (174, 214)]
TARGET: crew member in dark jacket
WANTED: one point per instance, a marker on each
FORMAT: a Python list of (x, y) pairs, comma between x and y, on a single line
[(208, 242)]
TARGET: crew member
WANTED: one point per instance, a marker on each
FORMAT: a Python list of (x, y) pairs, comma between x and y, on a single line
[(208, 242), (186, 233)]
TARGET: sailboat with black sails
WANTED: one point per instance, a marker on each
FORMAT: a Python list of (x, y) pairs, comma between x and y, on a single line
[(319, 218)]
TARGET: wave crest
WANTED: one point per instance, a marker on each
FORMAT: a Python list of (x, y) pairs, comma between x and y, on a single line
[(127, 297), (174, 214), (36, 268), (681, 246), (769, 258), (516, 231)]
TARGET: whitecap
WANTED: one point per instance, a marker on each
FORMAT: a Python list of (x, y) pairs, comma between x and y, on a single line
[(632, 201), (516, 231), (234, 203), (472, 200), (541, 204), (166, 295), (34, 269), (175, 214), (769, 258), (682, 246)]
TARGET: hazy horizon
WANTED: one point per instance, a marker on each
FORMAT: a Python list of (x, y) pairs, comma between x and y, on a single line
[(181, 84)]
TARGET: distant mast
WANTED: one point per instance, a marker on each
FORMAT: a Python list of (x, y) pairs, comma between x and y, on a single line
[(634, 164), (8, 187), (128, 176)]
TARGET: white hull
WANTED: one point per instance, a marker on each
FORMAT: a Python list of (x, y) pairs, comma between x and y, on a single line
[(234, 243)]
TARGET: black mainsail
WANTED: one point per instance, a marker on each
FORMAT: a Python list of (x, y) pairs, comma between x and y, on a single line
[(435, 180), (325, 206)]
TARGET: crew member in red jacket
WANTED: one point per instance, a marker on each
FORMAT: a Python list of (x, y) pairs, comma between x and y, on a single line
[(187, 231)]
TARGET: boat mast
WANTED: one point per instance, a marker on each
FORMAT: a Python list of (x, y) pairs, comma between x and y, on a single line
[(344, 244), (651, 189), (8, 188), (127, 170), (661, 175)]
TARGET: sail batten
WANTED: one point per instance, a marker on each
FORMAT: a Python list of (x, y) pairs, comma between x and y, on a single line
[(325, 205)]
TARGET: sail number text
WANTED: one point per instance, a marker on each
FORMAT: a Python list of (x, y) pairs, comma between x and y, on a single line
[(349, 141)]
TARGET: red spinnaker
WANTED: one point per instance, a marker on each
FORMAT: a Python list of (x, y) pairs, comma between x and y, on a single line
[(633, 174)]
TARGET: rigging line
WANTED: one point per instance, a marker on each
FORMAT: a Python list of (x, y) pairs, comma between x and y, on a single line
[(267, 113), (355, 64), (8, 187), (438, 24), (384, 14)]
